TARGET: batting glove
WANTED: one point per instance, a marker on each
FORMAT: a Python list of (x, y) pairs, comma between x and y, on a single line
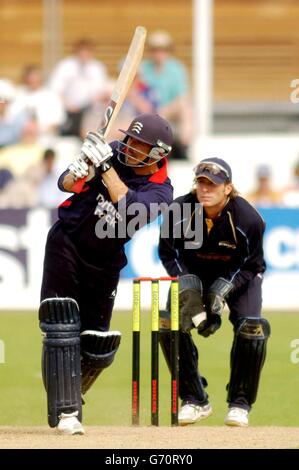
[(78, 168), (96, 149)]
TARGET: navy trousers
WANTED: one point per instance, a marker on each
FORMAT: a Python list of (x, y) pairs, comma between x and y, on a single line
[(245, 302), (66, 274)]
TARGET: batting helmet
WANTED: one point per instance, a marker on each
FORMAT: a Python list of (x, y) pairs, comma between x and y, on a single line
[(151, 129)]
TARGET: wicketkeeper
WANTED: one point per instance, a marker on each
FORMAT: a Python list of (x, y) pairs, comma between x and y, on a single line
[(85, 253), (226, 268)]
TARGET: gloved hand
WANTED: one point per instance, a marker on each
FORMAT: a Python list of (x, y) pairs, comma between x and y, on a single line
[(217, 294), (191, 307), (210, 326), (78, 168), (96, 149)]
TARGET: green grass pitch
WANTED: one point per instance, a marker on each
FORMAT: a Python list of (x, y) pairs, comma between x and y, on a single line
[(23, 399)]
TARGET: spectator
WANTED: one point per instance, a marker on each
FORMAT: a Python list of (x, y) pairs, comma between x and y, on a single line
[(17, 157), (264, 195), (48, 193), (5, 177), (37, 185), (12, 122), (42, 104), (78, 79), (168, 77), (92, 118), (140, 100), (291, 193)]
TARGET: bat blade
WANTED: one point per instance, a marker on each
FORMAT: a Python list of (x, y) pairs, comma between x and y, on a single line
[(125, 79)]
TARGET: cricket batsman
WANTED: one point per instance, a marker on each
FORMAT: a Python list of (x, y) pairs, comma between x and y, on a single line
[(84, 255)]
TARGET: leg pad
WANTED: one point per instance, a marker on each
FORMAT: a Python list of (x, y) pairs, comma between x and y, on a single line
[(98, 349), (247, 359), (61, 368), (191, 383)]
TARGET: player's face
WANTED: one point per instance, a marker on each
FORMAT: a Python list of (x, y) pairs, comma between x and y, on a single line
[(210, 194), (136, 151)]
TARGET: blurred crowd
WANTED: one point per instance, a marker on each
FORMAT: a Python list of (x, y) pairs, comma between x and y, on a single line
[(266, 195), (43, 121)]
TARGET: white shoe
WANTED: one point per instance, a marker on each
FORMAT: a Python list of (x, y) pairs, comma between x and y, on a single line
[(190, 413), (69, 424), (236, 417)]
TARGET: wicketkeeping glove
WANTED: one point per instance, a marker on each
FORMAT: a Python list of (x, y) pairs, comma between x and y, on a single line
[(210, 326), (96, 149), (217, 294), (215, 302), (192, 312)]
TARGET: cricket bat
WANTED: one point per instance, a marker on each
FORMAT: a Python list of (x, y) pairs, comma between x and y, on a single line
[(125, 80)]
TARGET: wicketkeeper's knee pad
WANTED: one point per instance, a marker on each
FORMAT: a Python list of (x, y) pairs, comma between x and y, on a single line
[(61, 368), (98, 349), (247, 359)]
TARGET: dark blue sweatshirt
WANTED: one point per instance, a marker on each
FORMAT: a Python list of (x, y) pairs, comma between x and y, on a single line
[(232, 249), (99, 228)]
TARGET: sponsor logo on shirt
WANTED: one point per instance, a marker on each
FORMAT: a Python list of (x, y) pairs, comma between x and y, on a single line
[(227, 245), (105, 209), (214, 256)]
